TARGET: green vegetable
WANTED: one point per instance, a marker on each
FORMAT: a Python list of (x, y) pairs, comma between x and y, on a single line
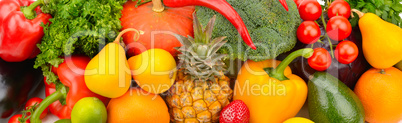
[(331, 101), (388, 10), (78, 27), (271, 27)]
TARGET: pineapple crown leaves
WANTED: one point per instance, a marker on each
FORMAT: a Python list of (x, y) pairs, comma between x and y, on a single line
[(199, 54)]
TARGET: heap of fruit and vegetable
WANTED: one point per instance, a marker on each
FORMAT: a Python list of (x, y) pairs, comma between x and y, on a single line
[(168, 61)]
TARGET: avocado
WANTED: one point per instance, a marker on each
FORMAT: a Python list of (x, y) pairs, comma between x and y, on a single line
[(331, 101)]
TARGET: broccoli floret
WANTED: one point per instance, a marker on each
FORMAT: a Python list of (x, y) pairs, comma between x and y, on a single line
[(272, 28)]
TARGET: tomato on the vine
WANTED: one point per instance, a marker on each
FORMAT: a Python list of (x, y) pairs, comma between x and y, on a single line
[(346, 52), (321, 59), (35, 101), (310, 10), (308, 32), (338, 28), (15, 119), (340, 8)]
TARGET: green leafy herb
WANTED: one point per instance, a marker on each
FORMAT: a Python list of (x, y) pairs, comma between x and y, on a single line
[(78, 27), (388, 10)]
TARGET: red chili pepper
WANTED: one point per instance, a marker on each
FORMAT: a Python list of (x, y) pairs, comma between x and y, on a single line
[(20, 29), (284, 4), (71, 74), (221, 6)]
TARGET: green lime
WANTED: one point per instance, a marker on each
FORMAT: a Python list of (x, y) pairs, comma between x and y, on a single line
[(89, 110)]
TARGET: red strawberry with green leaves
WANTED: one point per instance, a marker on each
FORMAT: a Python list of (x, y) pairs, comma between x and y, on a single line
[(235, 112)]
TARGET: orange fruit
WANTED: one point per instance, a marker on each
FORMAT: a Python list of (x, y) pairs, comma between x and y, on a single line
[(381, 95), (137, 106)]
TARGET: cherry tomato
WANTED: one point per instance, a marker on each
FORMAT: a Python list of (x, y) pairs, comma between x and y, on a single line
[(321, 60), (338, 28), (14, 119), (33, 101), (308, 32), (346, 52), (310, 10), (339, 7)]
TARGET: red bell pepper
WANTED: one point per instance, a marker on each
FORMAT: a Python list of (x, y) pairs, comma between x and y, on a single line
[(221, 6), (20, 29), (71, 75)]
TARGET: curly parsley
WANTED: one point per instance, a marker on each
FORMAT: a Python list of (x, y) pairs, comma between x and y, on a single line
[(77, 27), (388, 10)]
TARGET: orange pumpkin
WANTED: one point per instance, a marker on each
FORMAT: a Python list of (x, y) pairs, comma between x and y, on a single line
[(157, 27)]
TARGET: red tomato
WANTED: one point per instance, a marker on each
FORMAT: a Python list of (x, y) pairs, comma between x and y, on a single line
[(338, 28), (33, 101), (308, 32), (14, 119), (346, 52), (310, 10), (339, 7), (321, 60)]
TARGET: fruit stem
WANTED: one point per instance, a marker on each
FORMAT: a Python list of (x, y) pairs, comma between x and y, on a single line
[(136, 37), (361, 14), (382, 71), (278, 72), (157, 6), (29, 12), (329, 40), (44, 104)]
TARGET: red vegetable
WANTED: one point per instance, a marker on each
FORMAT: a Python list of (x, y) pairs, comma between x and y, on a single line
[(35, 101), (157, 24), (310, 10), (338, 28), (20, 30), (340, 8), (235, 112), (308, 32), (284, 4), (16, 119), (71, 75), (346, 52), (321, 60), (221, 6)]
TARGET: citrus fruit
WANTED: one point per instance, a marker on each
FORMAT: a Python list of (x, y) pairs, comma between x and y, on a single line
[(298, 120), (154, 70), (138, 106), (380, 92), (89, 110)]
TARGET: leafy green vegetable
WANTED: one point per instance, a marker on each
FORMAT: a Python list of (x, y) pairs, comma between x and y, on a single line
[(78, 27), (388, 10), (271, 27)]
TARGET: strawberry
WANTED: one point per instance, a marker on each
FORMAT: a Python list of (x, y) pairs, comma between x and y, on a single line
[(235, 112)]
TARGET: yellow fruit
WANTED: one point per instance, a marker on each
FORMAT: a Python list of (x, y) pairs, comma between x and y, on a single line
[(107, 74), (381, 95), (154, 70), (137, 106), (382, 41), (298, 120)]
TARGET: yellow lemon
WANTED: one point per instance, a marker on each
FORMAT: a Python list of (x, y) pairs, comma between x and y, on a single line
[(154, 70)]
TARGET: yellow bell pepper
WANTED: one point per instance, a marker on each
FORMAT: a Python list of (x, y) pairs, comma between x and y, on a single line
[(272, 95)]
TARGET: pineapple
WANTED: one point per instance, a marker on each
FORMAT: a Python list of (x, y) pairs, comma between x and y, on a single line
[(201, 89)]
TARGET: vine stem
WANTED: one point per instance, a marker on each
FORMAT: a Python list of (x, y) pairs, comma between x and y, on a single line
[(329, 40)]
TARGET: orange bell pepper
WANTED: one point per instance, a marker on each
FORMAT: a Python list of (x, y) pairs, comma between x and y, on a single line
[(270, 90)]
